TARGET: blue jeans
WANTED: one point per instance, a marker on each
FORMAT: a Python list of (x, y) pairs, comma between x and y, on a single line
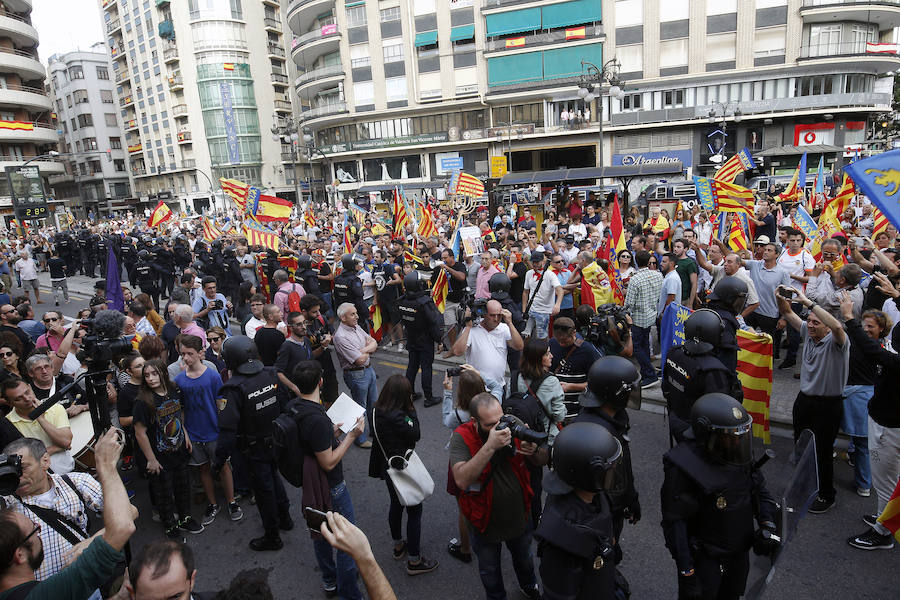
[(862, 469), (854, 423), (489, 562), (343, 573), (364, 391), (640, 337)]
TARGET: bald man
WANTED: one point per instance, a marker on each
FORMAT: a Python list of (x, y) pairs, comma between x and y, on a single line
[(486, 344)]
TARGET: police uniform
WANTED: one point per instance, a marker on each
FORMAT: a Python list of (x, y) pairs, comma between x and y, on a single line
[(129, 259), (728, 349), (248, 404), (165, 260), (424, 327), (83, 252), (147, 278), (309, 279), (102, 253), (348, 288)]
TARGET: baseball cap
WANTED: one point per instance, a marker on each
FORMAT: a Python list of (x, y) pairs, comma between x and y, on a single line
[(537, 255), (369, 241)]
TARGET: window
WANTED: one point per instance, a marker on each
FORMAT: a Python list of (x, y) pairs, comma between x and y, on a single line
[(90, 143), (769, 42), (74, 124), (106, 96), (111, 119), (102, 73), (81, 96), (85, 120), (631, 102), (395, 89), (393, 52), (723, 7), (75, 72), (390, 14), (359, 55), (674, 10), (356, 16), (115, 143), (629, 12), (120, 165), (824, 40), (673, 53), (363, 92), (720, 47), (631, 57), (423, 7), (673, 98)]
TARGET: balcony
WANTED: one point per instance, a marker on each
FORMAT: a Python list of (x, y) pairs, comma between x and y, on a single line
[(180, 110), (279, 79), (592, 32), (19, 29), (113, 26), (139, 171), (301, 14), (135, 148), (21, 62), (272, 24), (161, 3), (306, 48), (189, 163), (170, 55), (858, 54), (131, 124), (167, 30), (335, 108), (126, 100), (276, 51), (184, 137), (884, 12), (108, 4), (47, 167), (282, 106), (122, 75), (312, 81), (31, 98), (287, 157), (176, 83)]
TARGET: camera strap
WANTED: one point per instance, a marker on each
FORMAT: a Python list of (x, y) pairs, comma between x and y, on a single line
[(534, 293), (61, 524)]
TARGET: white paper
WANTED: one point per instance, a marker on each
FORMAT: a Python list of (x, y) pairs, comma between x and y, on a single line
[(345, 411)]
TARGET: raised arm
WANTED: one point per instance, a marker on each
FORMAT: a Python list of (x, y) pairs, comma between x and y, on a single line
[(118, 515), (784, 307)]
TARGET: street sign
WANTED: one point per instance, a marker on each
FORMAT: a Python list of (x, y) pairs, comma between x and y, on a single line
[(26, 188), (498, 167), (452, 163)]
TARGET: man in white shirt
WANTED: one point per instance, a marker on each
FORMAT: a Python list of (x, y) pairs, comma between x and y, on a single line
[(485, 346), (545, 294), (28, 273)]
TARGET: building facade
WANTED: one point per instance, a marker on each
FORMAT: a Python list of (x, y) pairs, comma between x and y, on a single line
[(199, 84), (408, 90), (83, 93), (26, 128)]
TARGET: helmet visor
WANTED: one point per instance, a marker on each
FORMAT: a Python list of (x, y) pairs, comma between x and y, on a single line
[(732, 445), (603, 470)]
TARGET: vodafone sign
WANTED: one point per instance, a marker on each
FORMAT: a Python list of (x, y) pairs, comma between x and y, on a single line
[(814, 134)]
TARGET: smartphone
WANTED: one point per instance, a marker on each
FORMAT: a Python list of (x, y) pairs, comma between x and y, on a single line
[(314, 518), (786, 293)]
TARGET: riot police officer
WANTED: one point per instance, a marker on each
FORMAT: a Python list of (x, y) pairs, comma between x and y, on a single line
[(424, 327), (727, 300), (348, 288), (499, 285), (165, 263), (270, 265), (693, 369), (146, 276), (84, 243), (711, 496), (575, 535), (101, 252), (611, 380), (129, 258), (231, 274), (182, 253), (307, 276), (249, 402)]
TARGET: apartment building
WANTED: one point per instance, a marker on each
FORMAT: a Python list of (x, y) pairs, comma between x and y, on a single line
[(87, 115), (26, 128), (409, 90), (199, 85)]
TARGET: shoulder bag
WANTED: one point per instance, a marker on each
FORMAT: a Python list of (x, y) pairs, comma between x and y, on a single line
[(407, 473)]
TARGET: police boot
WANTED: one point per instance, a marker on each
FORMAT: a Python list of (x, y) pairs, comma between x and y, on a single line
[(285, 522), (269, 541)]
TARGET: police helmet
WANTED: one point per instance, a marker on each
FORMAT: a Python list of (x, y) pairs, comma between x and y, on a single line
[(610, 379), (241, 355), (216, 245), (348, 262), (704, 328), (230, 250), (304, 262), (583, 457), (722, 426), (499, 286), (731, 293), (144, 254)]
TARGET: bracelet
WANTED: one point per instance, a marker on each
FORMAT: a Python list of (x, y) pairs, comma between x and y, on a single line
[(812, 305)]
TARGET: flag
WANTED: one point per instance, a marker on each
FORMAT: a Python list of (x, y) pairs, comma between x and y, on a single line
[(803, 221), (819, 181), (842, 201), (724, 197), (228, 66), (115, 299), (755, 374), (738, 163), (440, 290), (210, 231), (417, 260), (236, 190), (576, 33), (377, 328), (828, 225), (801, 172), (160, 214), (596, 289), (879, 179), (426, 227), (288, 262), (489, 236), (792, 192), (310, 218), (357, 213), (348, 243), (260, 235), (401, 219), (890, 516), (737, 240), (881, 222), (616, 285), (17, 125), (515, 42), (616, 228), (470, 186), (269, 208)]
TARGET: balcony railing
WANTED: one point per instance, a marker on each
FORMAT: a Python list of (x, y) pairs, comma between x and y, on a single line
[(184, 136), (113, 25), (176, 82), (171, 54), (126, 101), (189, 163), (320, 73), (287, 157), (279, 78), (855, 3), (122, 75), (17, 87), (282, 105), (326, 109), (17, 52), (138, 172), (325, 31), (272, 23), (180, 110), (840, 49), (540, 39), (131, 124), (276, 50)]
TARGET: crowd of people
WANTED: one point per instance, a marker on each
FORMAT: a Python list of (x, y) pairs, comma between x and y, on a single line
[(224, 337)]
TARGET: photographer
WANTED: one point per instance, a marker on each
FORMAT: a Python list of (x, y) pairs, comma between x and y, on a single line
[(212, 308), (486, 344), (489, 468)]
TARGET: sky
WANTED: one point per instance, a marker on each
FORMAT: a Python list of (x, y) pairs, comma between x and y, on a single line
[(66, 25)]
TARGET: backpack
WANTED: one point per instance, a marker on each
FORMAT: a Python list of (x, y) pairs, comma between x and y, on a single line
[(289, 453), (293, 302), (525, 405)]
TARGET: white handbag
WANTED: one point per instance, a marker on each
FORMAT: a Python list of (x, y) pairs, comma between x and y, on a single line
[(410, 478)]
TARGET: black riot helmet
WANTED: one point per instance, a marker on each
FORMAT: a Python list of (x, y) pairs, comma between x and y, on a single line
[(610, 379), (304, 262), (583, 457), (348, 263), (216, 245), (241, 355), (499, 286), (230, 251), (722, 426), (144, 254), (704, 329), (730, 293), (413, 282)]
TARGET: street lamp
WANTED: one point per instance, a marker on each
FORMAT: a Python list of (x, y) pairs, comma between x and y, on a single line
[(719, 112), (590, 87), (289, 134)]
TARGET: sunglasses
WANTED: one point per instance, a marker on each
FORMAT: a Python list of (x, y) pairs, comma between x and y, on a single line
[(7, 354), (51, 320), (652, 262), (213, 339)]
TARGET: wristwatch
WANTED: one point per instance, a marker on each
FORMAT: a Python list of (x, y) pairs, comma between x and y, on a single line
[(811, 305), (687, 573)]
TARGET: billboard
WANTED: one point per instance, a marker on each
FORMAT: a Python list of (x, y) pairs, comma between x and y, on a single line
[(26, 188)]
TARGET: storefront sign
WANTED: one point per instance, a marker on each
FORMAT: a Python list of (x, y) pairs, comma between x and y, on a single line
[(654, 158), (498, 167), (814, 134), (452, 163), (409, 140)]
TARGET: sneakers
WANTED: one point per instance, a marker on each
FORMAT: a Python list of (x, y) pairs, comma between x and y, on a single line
[(264, 543), (872, 540), (235, 511), (173, 534), (532, 593), (190, 525), (432, 401), (870, 520), (864, 492), (365, 445), (400, 553), (649, 382), (425, 565), (820, 505), (209, 515), (330, 589)]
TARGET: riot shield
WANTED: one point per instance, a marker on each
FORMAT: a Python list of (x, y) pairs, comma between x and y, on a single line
[(799, 494)]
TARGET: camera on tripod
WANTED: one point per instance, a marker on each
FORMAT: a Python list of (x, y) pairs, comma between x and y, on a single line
[(102, 344), (10, 472)]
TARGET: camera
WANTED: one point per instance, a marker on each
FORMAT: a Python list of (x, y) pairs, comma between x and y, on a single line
[(10, 472), (454, 371), (216, 305), (786, 293), (99, 343), (477, 309), (520, 431), (607, 330)]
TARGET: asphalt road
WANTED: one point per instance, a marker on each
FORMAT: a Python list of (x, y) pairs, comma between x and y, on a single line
[(819, 563)]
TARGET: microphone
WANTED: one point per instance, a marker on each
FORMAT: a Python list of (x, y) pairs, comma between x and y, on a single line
[(108, 324), (46, 404)]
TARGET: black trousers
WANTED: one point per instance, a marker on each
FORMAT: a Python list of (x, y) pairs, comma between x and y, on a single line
[(271, 499), (767, 325), (822, 415), (722, 578), (421, 359), (172, 489)]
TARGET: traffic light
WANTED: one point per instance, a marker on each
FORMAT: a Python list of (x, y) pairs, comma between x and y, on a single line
[(109, 155)]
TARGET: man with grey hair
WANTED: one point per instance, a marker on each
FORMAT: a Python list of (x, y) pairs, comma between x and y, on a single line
[(284, 288), (184, 318), (826, 283), (354, 349), (44, 384)]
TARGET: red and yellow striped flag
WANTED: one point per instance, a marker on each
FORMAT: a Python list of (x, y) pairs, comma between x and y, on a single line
[(468, 185), (260, 235), (596, 289), (844, 197), (237, 191), (348, 243), (890, 516), (440, 290), (738, 163), (576, 33), (616, 227), (310, 218), (228, 66), (210, 231), (755, 374), (515, 42), (160, 214), (737, 241), (401, 219), (17, 125), (881, 222), (793, 192), (377, 329), (426, 228)]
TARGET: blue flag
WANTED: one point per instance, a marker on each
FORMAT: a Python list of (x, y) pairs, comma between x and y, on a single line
[(801, 177), (820, 176), (672, 325), (115, 299), (878, 177)]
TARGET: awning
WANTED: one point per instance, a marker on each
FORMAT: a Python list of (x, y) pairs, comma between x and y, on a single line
[(796, 150), (376, 188), (384, 187), (463, 32), (426, 38), (562, 175)]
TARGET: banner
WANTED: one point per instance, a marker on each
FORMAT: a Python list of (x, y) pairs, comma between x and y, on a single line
[(878, 177), (231, 139)]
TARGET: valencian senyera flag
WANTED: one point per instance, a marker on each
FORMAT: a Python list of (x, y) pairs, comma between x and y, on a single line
[(881, 222), (736, 239), (878, 177), (260, 235), (237, 191), (740, 162), (440, 290), (210, 231), (468, 185), (890, 516), (723, 197), (160, 214), (401, 219)]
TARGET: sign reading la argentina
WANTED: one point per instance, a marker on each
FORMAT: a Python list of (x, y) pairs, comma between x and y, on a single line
[(651, 158)]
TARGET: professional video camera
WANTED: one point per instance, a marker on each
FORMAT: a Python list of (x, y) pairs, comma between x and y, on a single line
[(608, 330), (518, 430), (10, 472), (104, 340), (477, 309)]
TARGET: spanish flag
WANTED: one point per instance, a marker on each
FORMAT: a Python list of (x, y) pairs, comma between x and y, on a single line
[(595, 287), (890, 517), (755, 374), (160, 214), (17, 125), (271, 208), (515, 42), (228, 66), (576, 33), (377, 329)]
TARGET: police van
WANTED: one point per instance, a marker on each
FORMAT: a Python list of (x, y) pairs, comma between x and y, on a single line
[(762, 183)]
